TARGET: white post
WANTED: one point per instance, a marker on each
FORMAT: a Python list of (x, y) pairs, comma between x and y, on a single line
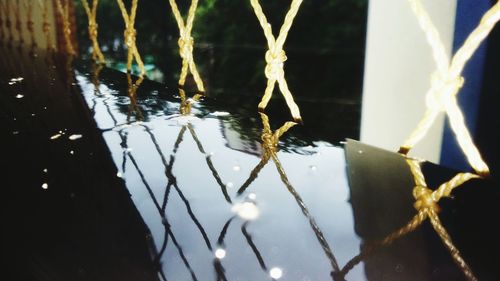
[(398, 66)]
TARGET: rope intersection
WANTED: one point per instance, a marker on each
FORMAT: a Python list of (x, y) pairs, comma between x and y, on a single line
[(186, 43), (63, 10), (446, 81), (97, 55), (130, 36), (275, 57)]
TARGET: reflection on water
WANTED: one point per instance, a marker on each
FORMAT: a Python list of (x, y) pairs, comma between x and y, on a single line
[(193, 216), (188, 193)]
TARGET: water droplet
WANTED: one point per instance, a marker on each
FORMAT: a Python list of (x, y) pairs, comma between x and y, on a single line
[(119, 175), (56, 136), (33, 114), (246, 210), (220, 113), (45, 170), (252, 196), (71, 152), (19, 96), (45, 107), (220, 253), (17, 79), (313, 167), (45, 186), (75, 137), (12, 83), (360, 151), (236, 168), (276, 273), (15, 133), (229, 185)]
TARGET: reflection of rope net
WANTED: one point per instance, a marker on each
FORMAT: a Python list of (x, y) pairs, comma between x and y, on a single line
[(130, 36), (7, 34), (275, 57), (446, 82), (92, 28), (132, 94), (270, 142), (172, 184), (186, 43), (426, 205), (63, 10)]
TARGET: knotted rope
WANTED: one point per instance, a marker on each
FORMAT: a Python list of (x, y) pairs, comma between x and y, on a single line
[(63, 10), (187, 103), (426, 204), (130, 36), (132, 94), (447, 81), (186, 43), (97, 55), (276, 56)]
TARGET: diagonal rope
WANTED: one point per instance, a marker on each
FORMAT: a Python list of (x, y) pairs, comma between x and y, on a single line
[(427, 208), (132, 94), (446, 81), (130, 36), (186, 43), (63, 10), (276, 56), (92, 28)]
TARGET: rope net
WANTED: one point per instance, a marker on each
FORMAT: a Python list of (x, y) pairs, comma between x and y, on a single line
[(276, 56), (91, 15), (63, 10), (446, 81), (130, 36), (186, 43)]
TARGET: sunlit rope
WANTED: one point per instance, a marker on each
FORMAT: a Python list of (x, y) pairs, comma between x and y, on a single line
[(63, 10), (130, 36), (426, 205), (275, 57), (92, 28), (46, 24), (132, 94), (186, 43), (446, 81), (187, 103)]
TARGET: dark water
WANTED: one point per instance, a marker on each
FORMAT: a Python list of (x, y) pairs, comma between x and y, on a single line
[(105, 184)]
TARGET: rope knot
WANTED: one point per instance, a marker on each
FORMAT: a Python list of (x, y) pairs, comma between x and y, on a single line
[(424, 198), (129, 35), (269, 143), (275, 62), (444, 88), (185, 46), (93, 30)]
